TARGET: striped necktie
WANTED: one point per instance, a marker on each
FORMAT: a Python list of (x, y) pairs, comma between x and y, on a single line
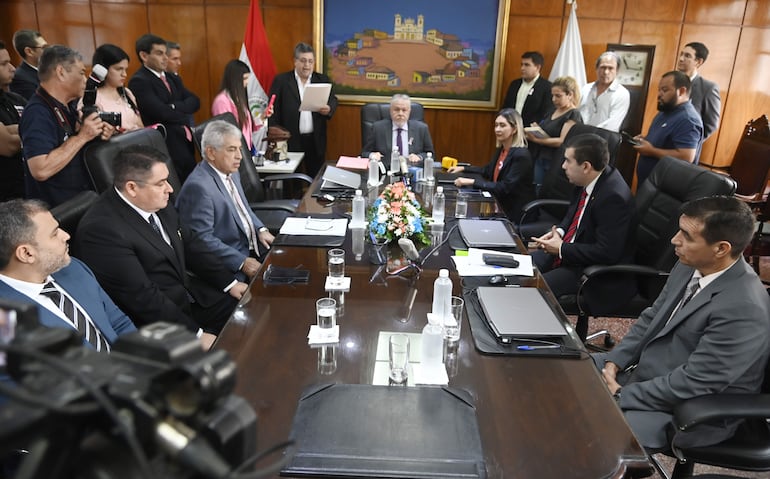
[(76, 316)]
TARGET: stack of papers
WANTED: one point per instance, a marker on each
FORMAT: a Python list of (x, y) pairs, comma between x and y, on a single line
[(314, 226), (473, 264), (353, 163)]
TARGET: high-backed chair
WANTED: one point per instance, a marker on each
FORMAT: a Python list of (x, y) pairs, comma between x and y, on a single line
[(672, 183), (750, 167), (69, 213), (373, 112)]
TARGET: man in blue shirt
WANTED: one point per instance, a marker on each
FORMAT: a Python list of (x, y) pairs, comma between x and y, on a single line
[(676, 131)]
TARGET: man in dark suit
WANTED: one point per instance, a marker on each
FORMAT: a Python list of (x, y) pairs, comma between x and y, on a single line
[(35, 264), (530, 95), (163, 99), (132, 240), (704, 94), (30, 45), (11, 106), (308, 129), (411, 137), (213, 205), (598, 228), (707, 332)]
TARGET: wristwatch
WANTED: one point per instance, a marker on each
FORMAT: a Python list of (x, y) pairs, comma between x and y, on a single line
[(616, 396), (262, 229)]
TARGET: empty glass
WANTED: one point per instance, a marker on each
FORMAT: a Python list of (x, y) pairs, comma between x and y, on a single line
[(398, 358), (453, 322)]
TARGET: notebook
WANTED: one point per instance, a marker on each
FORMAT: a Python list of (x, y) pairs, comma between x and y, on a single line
[(486, 234), (518, 313)]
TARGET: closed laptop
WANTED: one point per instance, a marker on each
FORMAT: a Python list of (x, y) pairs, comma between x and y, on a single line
[(519, 313), (486, 234)]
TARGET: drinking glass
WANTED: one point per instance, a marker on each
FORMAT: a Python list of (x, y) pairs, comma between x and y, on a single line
[(453, 322), (336, 264), (398, 358), (326, 313)]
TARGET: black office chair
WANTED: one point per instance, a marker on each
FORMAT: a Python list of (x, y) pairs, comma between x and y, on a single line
[(672, 183), (373, 112), (69, 213), (272, 212)]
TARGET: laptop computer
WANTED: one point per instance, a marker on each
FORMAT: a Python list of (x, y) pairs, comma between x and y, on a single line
[(486, 234), (338, 179), (518, 313)]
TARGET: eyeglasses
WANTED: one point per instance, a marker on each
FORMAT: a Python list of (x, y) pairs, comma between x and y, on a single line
[(305, 61)]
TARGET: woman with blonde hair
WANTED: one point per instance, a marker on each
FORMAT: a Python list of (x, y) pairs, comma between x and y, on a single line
[(565, 95), (508, 175)]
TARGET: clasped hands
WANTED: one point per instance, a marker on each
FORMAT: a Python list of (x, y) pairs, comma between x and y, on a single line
[(550, 242)]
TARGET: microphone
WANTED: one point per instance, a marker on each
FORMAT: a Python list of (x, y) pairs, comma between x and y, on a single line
[(98, 74), (407, 246)]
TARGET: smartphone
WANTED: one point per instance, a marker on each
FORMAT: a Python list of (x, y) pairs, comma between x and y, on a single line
[(272, 100), (629, 138)]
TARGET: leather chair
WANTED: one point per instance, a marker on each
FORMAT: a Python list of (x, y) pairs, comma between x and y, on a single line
[(271, 212), (672, 183), (99, 156), (750, 167), (69, 213), (373, 112)]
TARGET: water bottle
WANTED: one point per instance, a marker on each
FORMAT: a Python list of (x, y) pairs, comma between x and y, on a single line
[(432, 347), (461, 204), (359, 205), (357, 235), (395, 161), (438, 205), (442, 296), (427, 169), (374, 172)]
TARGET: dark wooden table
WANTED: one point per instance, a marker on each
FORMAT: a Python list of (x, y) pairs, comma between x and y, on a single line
[(538, 417)]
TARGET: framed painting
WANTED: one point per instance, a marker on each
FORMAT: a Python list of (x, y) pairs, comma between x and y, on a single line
[(442, 54)]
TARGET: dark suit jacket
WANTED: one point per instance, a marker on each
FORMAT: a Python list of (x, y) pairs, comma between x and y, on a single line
[(25, 81), (172, 109), (205, 206), (81, 284), (381, 139), (704, 96), (143, 274), (716, 343), (536, 105), (286, 110), (513, 188)]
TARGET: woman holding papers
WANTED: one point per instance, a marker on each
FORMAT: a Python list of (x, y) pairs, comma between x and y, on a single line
[(508, 175), (546, 149), (233, 98)]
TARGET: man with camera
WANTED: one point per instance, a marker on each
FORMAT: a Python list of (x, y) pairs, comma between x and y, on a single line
[(54, 133)]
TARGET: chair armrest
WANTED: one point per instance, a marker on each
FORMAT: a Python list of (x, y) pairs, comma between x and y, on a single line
[(286, 176), (598, 270), (535, 205), (720, 406), (269, 206)]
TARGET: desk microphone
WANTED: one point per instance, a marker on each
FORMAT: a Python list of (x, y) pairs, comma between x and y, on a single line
[(407, 246)]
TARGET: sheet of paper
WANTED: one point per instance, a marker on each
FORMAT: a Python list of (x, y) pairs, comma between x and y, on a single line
[(314, 226), (473, 264), (316, 95), (353, 163)]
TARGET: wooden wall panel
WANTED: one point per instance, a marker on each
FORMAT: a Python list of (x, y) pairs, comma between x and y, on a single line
[(530, 34), (757, 13), (600, 9), (67, 23), (15, 16), (282, 39), (595, 35), (121, 25), (655, 10), (538, 8), (723, 12)]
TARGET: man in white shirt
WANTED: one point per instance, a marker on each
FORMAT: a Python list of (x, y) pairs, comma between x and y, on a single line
[(605, 102)]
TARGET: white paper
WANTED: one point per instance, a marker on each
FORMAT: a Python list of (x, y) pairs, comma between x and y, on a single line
[(473, 264), (316, 95), (309, 226), (317, 335)]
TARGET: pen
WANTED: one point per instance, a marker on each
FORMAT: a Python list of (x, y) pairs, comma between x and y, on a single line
[(527, 347)]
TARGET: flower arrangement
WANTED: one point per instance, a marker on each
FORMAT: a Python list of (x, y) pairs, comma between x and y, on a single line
[(397, 214)]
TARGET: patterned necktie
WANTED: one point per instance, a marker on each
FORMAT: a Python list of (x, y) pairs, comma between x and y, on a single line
[(76, 317), (574, 225), (156, 228), (165, 81), (692, 287), (399, 141), (242, 213)]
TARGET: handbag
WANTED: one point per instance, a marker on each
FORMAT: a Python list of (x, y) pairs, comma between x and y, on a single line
[(277, 141)]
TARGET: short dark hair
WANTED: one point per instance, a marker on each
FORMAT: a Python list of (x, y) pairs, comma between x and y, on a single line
[(700, 50), (16, 226), (724, 218), (536, 57), (301, 48), (680, 79), (134, 163), (23, 39), (592, 148), (173, 45), (145, 43), (54, 56)]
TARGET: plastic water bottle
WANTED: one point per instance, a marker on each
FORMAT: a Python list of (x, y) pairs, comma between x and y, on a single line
[(395, 161), (439, 201), (374, 172), (442, 295), (461, 204), (359, 205), (432, 347), (427, 169)]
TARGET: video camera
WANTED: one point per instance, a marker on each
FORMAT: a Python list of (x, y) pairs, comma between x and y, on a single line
[(157, 406)]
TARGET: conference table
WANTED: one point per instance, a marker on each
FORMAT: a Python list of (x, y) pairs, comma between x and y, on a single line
[(538, 417)]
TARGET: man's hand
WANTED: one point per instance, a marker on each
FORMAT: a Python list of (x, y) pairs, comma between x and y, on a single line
[(376, 155), (460, 182), (266, 238), (550, 242), (207, 340), (456, 169), (238, 290), (250, 267), (645, 147), (609, 374), (414, 158), (324, 110), (92, 127)]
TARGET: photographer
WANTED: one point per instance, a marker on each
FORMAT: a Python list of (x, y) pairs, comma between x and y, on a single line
[(54, 133)]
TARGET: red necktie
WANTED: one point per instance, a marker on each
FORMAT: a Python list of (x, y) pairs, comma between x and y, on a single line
[(574, 225), (500, 161), (165, 81)]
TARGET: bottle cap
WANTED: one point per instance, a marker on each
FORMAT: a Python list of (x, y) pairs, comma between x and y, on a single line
[(358, 193), (430, 155), (443, 273), (439, 189)]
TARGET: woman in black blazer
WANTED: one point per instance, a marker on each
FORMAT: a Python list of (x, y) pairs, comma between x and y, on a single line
[(508, 175)]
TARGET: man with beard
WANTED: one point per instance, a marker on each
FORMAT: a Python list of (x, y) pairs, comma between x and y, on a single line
[(676, 131)]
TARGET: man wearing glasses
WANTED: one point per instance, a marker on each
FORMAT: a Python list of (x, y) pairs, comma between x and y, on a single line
[(30, 45), (605, 102), (308, 129)]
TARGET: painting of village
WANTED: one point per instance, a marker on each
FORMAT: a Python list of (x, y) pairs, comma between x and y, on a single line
[(416, 47)]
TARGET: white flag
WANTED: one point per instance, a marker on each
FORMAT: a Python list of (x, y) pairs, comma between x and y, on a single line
[(569, 60)]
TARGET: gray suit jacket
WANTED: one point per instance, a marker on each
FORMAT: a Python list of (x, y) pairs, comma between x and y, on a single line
[(704, 96), (716, 343), (381, 139)]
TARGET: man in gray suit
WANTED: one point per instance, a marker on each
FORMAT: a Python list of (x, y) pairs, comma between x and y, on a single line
[(411, 137), (704, 94), (707, 332)]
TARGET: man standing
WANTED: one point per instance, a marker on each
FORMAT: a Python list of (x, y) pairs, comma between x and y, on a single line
[(676, 131), (53, 132), (704, 94), (213, 205), (599, 226), (30, 45), (132, 240), (604, 103), (707, 332), (174, 51), (530, 95), (411, 137), (11, 106), (164, 99), (308, 129), (35, 266)]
